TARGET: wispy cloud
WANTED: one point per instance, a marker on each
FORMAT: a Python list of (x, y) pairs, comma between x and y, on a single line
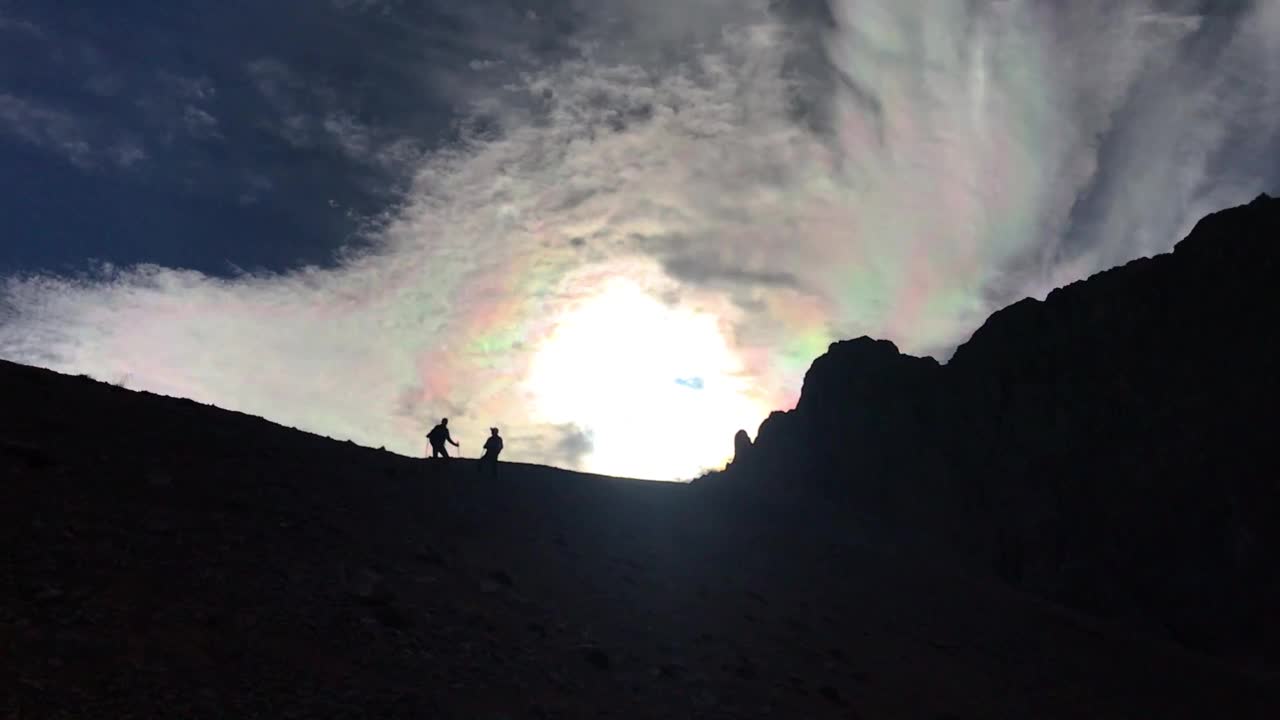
[(309, 114), (200, 124), (63, 134), (46, 128), (18, 25), (194, 89), (255, 187), (127, 153), (681, 197)]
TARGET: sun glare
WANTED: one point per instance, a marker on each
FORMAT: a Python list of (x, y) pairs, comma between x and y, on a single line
[(656, 386)]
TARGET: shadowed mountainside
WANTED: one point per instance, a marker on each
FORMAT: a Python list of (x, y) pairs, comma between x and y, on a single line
[(1112, 447), (166, 559)]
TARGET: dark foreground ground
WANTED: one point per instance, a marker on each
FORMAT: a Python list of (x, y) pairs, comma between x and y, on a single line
[(163, 559)]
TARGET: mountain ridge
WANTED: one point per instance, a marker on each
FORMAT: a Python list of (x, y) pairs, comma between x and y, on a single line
[(1061, 444)]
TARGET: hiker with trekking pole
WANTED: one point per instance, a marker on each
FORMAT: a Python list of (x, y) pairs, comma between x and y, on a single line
[(438, 436)]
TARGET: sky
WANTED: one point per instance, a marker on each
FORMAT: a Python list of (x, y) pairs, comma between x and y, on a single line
[(617, 229)]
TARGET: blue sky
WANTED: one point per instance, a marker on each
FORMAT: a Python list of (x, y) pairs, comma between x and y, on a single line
[(213, 136)]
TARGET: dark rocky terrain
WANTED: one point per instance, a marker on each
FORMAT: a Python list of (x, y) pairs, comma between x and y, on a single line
[(1111, 448), (164, 559)]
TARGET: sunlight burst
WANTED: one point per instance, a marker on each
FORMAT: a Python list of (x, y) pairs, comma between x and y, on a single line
[(654, 385)]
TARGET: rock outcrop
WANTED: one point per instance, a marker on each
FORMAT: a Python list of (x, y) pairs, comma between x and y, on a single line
[(1111, 447)]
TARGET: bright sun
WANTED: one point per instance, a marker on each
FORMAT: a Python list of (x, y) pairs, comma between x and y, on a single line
[(656, 386)]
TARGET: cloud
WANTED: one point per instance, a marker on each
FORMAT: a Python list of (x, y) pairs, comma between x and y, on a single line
[(699, 190), (74, 140), (255, 187), (573, 446), (310, 114), (200, 124), (45, 128), (361, 6), (20, 26), (193, 89), (127, 153), (1197, 132), (349, 134), (286, 93)]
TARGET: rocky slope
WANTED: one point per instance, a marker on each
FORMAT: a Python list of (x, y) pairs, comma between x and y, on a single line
[(1112, 447), (160, 558)]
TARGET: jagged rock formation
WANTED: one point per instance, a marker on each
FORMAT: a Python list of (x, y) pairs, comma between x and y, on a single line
[(1112, 447)]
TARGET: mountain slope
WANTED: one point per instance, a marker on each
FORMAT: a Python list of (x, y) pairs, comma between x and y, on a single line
[(1111, 447), (167, 559)]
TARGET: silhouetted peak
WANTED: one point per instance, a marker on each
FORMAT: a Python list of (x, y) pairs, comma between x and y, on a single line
[(741, 445), (851, 369), (1229, 256), (863, 350), (1101, 447), (1236, 229), (863, 354)]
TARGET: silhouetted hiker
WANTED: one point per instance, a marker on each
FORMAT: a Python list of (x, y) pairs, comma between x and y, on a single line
[(492, 447), (438, 436)]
